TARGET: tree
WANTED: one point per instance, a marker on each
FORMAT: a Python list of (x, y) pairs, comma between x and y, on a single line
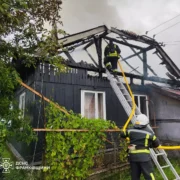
[(23, 37)]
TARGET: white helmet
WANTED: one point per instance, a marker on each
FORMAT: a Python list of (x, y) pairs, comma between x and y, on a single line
[(142, 119)]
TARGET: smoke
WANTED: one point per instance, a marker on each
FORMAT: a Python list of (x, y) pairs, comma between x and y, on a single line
[(138, 16), (79, 15)]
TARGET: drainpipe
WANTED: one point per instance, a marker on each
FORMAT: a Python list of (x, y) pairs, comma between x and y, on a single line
[(153, 111)]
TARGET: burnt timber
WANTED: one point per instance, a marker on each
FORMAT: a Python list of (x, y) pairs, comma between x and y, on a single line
[(96, 35)]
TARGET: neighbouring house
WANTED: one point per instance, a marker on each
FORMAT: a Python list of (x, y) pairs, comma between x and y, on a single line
[(92, 95), (166, 104)]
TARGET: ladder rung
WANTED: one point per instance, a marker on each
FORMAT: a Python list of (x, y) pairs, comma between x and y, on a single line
[(165, 166), (121, 92), (129, 100), (119, 83), (126, 94), (159, 154), (121, 88)]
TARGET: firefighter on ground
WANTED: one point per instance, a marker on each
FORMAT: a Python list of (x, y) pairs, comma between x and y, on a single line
[(141, 139), (111, 56)]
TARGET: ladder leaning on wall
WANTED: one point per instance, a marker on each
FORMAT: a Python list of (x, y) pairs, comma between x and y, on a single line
[(126, 101)]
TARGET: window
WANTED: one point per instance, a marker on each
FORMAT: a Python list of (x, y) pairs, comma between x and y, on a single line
[(22, 103), (142, 103), (93, 104)]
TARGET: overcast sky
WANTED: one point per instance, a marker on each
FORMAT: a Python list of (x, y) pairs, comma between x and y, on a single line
[(134, 15)]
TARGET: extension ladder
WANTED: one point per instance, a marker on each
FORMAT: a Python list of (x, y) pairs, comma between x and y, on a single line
[(126, 101)]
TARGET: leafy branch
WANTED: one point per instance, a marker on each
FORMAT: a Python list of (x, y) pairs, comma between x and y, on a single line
[(71, 154)]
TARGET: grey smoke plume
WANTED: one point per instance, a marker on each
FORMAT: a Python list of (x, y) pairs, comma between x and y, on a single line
[(138, 16), (79, 15)]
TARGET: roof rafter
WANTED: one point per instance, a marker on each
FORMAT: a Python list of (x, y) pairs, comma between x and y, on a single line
[(102, 31)]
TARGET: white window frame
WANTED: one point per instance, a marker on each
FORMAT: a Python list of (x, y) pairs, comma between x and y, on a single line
[(139, 105), (22, 104), (96, 102)]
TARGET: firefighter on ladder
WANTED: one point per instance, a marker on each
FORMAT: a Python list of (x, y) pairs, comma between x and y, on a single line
[(111, 56), (141, 139)]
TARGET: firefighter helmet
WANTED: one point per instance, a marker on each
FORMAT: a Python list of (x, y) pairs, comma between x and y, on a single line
[(142, 119)]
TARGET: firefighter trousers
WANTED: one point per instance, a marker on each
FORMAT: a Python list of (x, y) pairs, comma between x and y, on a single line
[(146, 168), (112, 61)]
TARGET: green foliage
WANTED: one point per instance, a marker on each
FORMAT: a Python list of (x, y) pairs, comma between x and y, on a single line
[(70, 154), (125, 175), (7, 86), (23, 175), (123, 152), (23, 35), (10, 122), (24, 39)]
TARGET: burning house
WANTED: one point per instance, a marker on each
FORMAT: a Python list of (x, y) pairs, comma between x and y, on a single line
[(85, 89)]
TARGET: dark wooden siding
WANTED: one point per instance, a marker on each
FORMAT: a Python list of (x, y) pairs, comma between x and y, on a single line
[(30, 107), (65, 89)]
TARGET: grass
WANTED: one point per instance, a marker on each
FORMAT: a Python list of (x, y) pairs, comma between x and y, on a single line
[(168, 172), (14, 174), (5, 152), (125, 175)]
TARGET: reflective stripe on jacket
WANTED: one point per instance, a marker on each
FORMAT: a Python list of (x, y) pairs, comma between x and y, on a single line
[(115, 53), (143, 138)]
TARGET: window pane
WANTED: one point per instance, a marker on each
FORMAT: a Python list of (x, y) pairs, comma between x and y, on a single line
[(89, 105), (143, 104), (136, 100), (22, 104), (100, 106)]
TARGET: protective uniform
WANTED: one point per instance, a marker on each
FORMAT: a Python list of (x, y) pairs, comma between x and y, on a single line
[(141, 139), (111, 56)]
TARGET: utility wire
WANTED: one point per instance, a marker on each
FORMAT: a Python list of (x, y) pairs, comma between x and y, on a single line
[(163, 23), (166, 29)]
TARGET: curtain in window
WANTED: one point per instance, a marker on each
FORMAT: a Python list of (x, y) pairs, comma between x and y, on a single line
[(89, 105)]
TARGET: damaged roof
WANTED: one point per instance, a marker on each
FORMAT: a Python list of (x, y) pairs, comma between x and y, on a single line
[(167, 91), (91, 36)]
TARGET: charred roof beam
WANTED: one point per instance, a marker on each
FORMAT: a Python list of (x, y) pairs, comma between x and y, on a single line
[(134, 36), (133, 69), (91, 57), (138, 54), (69, 56), (72, 47), (89, 44), (75, 38), (91, 67), (98, 44), (135, 54), (124, 43), (171, 67)]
